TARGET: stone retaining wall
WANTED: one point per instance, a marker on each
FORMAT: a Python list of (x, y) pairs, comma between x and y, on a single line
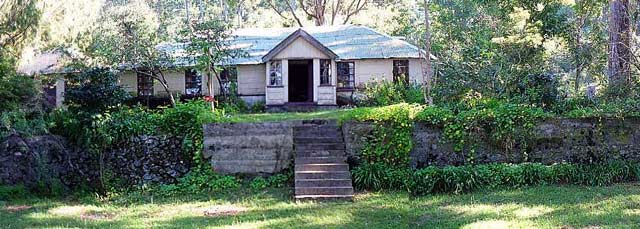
[(48, 161), (553, 141)]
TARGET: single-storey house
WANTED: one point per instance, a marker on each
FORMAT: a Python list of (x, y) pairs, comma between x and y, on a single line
[(293, 66), (308, 65)]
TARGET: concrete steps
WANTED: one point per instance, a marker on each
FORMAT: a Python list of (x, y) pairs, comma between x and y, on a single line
[(321, 169)]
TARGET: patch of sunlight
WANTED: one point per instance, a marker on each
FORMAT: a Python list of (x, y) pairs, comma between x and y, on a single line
[(327, 218), (490, 224), (632, 212), (76, 210), (476, 209), (532, 212)]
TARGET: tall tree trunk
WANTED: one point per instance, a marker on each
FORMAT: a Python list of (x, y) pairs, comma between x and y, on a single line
[(578, 57), (186, 8), (619, 44), (210, 84), (427, 69), (165, 85), (201, 11)]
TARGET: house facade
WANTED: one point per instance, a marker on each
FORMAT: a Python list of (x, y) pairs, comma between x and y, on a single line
[(285, 66), (295, 66)]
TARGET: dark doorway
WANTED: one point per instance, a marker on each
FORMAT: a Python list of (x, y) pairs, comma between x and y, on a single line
[(300, 81)]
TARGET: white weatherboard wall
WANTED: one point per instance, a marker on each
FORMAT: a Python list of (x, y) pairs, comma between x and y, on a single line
[(175, 79), (300, 49), (370, 70), (129, 82), (251, 79)]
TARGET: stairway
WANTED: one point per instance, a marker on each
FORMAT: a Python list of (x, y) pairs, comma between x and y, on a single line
[(321, 170)]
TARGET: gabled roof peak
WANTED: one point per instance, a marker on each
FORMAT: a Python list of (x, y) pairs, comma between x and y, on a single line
[(300, 33)]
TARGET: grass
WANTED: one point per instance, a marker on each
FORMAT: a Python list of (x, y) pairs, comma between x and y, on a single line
[(535, 207), (286, 116)]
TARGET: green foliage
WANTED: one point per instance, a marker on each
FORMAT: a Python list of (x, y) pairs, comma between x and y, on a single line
[(275, 181), (200, 180), (258, 107), (13, 192), (390, 141), (384, 93), (381, 176), (16, 90), (19, 122), (507, 125), (585, 108), (94, 91), (459, 179), (258, 183), (18, 21), (98, 132)]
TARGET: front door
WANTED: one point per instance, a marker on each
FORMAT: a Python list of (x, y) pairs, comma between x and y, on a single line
[(300, 81)]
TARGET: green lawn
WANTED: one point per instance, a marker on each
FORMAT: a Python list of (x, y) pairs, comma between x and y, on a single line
[(285, 116), (540, 207)]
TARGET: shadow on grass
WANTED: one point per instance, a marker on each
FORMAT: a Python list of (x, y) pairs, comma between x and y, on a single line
[(545, 206)]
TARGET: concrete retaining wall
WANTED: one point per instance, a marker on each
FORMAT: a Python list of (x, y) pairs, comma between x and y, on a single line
[(249, 148), (257, 148)]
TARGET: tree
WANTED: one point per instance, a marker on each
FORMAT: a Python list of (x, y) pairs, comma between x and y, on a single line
[(18, 19), (619, 61), (427, 70), (209, 42), (318, 9), (94, 91), (127, 38)]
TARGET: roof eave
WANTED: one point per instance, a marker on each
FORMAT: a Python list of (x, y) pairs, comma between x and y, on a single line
[(291, 38)]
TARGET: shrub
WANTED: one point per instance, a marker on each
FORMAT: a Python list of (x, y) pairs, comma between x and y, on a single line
[(15, 91), (94, 91), (12, 192), (200, 180), (384, 93), (19, 122), (390, 142), (380, 176), (258, 183), (280, 180), (458, 179)]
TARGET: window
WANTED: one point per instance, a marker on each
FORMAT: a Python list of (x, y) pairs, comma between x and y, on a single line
[(401, 71), (346, 75), (145, 84), (228, 76), (275, 73), (325, 72), (192, 82)]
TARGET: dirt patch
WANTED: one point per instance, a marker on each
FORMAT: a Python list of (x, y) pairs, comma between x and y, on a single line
[(223, 210), (17, 208)]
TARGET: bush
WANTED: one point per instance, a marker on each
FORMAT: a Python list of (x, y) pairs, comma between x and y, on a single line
[(384, 93), (390, 142), (94, 91), (18, 121), (258, 183), (12, 192), (458, 179), (200, 180), (380, 176), (274, 181), (98, 132)]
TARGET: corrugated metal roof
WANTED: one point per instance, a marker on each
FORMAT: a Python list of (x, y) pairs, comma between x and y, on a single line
[(346, 41)]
